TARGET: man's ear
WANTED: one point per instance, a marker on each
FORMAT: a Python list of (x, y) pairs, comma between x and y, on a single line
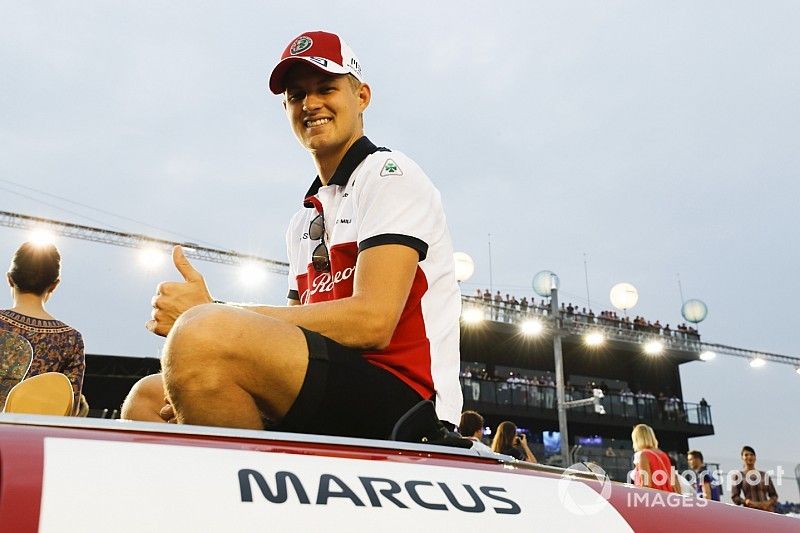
[(9, 280), (364, 96)]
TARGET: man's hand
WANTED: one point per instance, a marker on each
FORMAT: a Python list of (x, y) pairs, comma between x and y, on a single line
[(167, 412), (174, 297)]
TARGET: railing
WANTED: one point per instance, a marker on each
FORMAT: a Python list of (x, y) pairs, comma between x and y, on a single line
[(620, 406)]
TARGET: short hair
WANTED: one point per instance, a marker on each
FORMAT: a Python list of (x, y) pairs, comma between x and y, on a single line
[(643, 438), (696, 453), (35, 267), (747, 449), (354, 82), (471, 421)]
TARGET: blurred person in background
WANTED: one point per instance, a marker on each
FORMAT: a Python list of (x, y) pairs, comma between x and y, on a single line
[(471, 427), (508, 442), (34, 274), (652, 467), (705, 486), (754, 488)]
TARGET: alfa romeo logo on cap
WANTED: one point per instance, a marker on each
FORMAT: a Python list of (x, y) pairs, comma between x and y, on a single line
[(301, 44)]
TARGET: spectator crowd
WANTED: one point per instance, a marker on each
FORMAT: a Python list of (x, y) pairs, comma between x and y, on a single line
[(509, 309)]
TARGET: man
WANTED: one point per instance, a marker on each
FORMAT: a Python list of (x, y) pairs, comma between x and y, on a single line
[(371, 325), (704, 414), (471, 427), (754, 488), (705, 486)]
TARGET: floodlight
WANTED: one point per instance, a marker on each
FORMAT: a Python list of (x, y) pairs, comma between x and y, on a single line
[(151, 258), (251, 273), (594, 338), (797, 369), (531, 327), (472, 316), (708, 355), (653, 347), (757, 362), (42, 237)]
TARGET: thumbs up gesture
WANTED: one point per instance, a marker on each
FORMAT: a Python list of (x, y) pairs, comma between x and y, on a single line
[(174, 297)]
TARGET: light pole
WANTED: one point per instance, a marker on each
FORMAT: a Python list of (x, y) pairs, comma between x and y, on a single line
[(559, 359), (545, 283)]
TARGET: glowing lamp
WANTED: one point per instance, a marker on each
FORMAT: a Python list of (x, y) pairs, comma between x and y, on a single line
[(42, 237), (472, 316), (151, 257), (465, 266), (594, 338), (694, 311), (531, 327), (708, 355), (544, 282), (653, 347), (251, 273), (624, 296)]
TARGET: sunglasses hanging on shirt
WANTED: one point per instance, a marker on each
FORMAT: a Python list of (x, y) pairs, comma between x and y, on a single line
[(316, 232)]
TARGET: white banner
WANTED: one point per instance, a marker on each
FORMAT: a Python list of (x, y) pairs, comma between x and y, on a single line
[(92, 485)]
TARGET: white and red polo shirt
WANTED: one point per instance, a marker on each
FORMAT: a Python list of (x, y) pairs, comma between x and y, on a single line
[(379, 197)]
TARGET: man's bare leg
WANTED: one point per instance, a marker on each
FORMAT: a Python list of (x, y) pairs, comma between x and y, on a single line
[(226, 366), (145, 400)]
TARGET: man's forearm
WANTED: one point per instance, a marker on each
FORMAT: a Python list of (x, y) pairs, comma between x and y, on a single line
[(350, 321)]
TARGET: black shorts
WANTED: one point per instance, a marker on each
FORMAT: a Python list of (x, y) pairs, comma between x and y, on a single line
[(345, 395)]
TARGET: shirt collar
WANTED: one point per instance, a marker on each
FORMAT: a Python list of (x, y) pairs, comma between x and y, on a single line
[(352, 158)]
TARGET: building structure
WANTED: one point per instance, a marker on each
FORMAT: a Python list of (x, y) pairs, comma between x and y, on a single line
[(508, 373)]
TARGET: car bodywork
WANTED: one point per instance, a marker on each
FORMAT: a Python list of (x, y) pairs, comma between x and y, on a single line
[(70, 474)]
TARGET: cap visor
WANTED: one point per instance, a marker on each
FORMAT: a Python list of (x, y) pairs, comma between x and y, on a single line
[(276, 79)]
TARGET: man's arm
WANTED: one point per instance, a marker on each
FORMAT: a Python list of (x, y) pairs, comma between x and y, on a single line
[(706, 489), (367, 319), (769, 505)]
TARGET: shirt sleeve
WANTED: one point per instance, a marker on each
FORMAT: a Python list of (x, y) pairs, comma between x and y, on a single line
[(397, 207), (291, 252)]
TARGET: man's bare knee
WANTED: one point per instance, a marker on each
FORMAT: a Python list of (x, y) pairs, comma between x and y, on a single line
[(196, 338), (145, 400), (215, 353)]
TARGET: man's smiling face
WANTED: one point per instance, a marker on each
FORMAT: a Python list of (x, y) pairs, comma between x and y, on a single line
[(324, 109)]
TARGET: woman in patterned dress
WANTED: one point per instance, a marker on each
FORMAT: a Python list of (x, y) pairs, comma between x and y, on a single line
[(33, 276)]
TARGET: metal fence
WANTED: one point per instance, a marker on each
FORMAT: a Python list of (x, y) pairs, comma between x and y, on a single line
[(617, 405)]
